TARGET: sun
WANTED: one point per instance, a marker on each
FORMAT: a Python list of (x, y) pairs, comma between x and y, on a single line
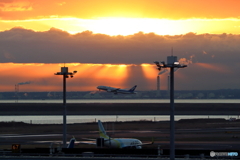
[(128, 26)]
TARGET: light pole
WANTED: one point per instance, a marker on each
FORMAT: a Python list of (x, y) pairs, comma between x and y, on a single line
[(171, 63), (64, 72)]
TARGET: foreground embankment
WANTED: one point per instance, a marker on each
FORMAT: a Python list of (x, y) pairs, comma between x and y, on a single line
[(119, 109)]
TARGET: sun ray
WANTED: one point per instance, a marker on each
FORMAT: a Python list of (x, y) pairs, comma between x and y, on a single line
[(149, 71)]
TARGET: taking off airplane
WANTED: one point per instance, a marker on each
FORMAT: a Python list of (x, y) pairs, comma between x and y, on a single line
[(117, 90)]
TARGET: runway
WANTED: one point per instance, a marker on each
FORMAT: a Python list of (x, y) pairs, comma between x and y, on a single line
[(119, 109), (161, 138), (190, 135)]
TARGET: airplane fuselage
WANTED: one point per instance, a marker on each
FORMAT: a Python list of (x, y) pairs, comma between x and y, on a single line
[(123, 143), (115, 90)]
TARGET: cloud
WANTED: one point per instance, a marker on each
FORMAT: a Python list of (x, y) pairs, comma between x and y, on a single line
[(6, 1), (57, 46), (23, 83), (13, 6), (204, 71), (8, 55)]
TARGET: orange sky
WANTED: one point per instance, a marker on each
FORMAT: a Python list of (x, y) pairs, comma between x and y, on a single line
[(123, 17), (38, 45), (40, 77), (34, 77)]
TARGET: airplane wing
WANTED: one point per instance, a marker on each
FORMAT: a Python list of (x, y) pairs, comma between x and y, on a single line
[(47, 142), (114, 90), (87, 142), (89, 139), (145, 144), (136, 145)]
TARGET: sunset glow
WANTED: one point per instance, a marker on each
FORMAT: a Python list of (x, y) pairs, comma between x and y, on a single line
[(41, 76), (150, 71), (122, 17), (114, 43), (128, 26)]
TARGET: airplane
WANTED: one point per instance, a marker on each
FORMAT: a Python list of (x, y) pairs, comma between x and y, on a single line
[(115, 142), (117, 90)]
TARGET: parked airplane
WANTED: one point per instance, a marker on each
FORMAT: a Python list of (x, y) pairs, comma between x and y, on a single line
[(115, 142), (117, 90)]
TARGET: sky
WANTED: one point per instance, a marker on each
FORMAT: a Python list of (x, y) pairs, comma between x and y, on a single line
[(114, 43)]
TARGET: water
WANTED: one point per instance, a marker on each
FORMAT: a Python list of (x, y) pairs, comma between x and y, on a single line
[(127, 101), (84, 119)]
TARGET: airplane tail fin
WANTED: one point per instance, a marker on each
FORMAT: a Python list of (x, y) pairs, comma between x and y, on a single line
[(133, 88), (71, 143), (102, 131)]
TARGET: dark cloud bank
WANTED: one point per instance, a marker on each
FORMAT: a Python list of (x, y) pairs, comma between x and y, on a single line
[(55, 46), (213, 59)]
